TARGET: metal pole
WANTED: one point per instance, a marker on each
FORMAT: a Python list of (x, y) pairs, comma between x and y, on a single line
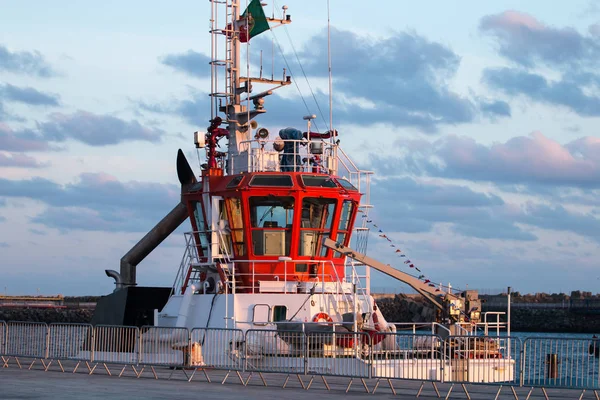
[(508, 318)]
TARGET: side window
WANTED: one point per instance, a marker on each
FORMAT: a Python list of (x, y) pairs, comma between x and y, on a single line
[(279, 313), (344, 226), (236, 225), (201, 226)]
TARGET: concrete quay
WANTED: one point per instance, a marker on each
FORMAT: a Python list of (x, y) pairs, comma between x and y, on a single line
[(24, 384)]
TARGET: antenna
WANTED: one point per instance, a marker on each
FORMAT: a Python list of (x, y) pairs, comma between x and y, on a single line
[(330, 80)]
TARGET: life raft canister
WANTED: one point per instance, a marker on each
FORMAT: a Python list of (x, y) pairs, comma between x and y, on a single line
[(322, 317)]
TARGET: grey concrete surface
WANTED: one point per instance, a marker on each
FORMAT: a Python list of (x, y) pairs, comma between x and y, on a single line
[(24, 384)]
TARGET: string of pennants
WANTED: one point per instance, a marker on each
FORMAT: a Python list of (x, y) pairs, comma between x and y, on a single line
[(398, 251)]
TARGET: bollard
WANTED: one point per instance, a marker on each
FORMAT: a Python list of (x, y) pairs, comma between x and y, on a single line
[(551, 366)]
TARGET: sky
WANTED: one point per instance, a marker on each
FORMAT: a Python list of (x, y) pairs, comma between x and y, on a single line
[(478, 119)]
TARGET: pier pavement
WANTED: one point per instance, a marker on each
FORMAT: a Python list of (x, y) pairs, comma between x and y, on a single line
[(23, 384)]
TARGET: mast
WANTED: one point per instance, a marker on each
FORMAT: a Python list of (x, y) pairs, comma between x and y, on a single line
[(228, 97)]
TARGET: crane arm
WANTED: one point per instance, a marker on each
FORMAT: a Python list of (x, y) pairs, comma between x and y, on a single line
[(422, 288)]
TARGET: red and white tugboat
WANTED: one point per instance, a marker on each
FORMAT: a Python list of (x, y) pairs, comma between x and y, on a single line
[(273, 218)]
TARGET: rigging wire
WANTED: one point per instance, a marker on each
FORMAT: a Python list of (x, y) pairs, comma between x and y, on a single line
[(289, 70), (305, 77)]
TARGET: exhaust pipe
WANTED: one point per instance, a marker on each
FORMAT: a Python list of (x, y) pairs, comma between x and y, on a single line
[(111, 273)]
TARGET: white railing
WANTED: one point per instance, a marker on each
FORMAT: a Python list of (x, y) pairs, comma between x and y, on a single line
[(317, 156)]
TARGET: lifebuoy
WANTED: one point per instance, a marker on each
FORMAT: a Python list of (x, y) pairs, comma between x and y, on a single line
[(322, 317)]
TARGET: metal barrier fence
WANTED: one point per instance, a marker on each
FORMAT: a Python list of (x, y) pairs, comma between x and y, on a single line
[(67, 341), (26, 339), (164, 346), (477, 359), (217, 348), (561, 362), (537, 362), (2, 337), (275, 351), (418, 357), (116, 345), (339, 354)]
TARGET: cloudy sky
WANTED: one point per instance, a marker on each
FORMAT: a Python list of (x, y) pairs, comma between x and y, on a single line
[(479, 120)]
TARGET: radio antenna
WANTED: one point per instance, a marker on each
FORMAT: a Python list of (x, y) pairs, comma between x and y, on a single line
[(330, 80)]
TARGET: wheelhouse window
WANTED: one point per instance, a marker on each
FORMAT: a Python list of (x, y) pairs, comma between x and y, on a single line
[(236, 224), (225, 230), (202, 233), (344, 224), (271, 219), (318, 181), (315, 224)]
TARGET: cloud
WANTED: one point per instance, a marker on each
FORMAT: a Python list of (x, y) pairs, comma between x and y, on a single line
[(521, 160), (570, 57), (495, 108), (416, 207), (570, 91), (95, 130), (560, 219), (18, 160), (407, 82), (96, 202), (25, 62), (20, 141), (526, 41), (190, 63), (27, 95), (195, 110)]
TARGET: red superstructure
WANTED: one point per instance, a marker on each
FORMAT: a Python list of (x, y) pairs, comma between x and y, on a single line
[(273, 217)]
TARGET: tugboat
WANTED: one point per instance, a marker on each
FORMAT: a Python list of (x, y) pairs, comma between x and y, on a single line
[(273, 220)]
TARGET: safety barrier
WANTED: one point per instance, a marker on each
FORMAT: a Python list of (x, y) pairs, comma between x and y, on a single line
[(561, 362), (26, 339), (408, 356), (66, 341), (164, 346), (476, 359), (217, 348), (275, 351), (504, 361), (339, 354), (2, 337)]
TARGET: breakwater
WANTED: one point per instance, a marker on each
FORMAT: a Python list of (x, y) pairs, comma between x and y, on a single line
[(395, 308), (47, 315), (556, 318)]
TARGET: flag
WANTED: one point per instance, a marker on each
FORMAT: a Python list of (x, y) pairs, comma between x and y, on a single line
[(252, 21)]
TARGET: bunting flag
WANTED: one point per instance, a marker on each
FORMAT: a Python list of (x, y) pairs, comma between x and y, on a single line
[(398, 252)]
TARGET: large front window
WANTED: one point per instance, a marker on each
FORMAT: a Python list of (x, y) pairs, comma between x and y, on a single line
[(315, 224), (271, 219)]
